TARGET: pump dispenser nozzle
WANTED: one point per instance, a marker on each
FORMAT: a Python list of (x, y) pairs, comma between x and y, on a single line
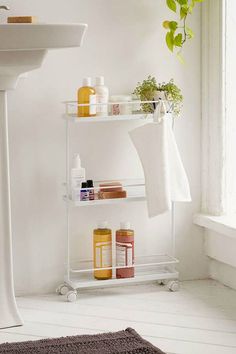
[(77, 161)]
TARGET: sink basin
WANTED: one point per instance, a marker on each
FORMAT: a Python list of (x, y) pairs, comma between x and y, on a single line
[(20, 36), (24, 46)]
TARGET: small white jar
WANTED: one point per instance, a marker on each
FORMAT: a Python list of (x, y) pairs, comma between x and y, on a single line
[(120, 108)]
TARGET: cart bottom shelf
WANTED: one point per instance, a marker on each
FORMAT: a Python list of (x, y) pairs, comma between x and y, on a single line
[(141, 276)]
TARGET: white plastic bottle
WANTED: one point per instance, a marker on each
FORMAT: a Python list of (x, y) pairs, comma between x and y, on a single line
[(102, 94), (77, 177)]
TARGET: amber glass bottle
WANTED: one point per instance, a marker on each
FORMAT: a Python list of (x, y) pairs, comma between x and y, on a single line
[(102, 251), (125, 251), (86, 95)]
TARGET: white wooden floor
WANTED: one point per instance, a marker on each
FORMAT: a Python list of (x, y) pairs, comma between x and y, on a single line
[(199, 319)]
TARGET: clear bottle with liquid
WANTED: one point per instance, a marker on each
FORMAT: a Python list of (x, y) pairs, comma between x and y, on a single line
[(86, 95)]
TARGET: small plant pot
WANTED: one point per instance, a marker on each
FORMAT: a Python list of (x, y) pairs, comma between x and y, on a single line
[(160, 95)]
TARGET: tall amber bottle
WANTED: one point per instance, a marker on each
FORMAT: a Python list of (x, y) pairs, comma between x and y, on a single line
[(102, 251), (125, 251), (86, 95)]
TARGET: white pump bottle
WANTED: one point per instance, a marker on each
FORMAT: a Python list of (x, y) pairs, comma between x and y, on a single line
[(77, 177), (102, 94)]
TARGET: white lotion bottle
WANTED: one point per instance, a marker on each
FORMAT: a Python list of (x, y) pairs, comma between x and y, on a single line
[(102, 94), (77, 177)]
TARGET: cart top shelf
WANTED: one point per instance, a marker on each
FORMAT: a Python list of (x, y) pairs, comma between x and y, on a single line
[(72, 107), (131, 117)]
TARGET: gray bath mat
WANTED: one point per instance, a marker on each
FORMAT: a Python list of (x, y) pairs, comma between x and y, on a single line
[(125, 342)]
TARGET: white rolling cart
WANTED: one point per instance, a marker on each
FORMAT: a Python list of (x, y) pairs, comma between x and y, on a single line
[(157, 267)]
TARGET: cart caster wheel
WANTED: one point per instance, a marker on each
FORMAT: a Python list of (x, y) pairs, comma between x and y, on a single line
[(161, 282), (62, 289), (173, 285), (72, 296)]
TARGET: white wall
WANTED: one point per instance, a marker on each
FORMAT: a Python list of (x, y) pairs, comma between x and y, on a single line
[(125, 43)]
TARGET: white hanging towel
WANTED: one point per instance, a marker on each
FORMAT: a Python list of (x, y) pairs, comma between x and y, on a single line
[(165, 176)]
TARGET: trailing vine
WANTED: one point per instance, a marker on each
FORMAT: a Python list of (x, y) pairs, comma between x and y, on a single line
[(177, 31)]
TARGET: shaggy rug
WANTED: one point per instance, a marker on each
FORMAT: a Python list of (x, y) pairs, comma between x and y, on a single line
[(125, 342)]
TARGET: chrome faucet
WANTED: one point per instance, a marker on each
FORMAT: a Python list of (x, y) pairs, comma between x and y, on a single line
[(4, 7)]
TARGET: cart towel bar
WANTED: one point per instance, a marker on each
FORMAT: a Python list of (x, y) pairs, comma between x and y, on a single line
[(165, 176)]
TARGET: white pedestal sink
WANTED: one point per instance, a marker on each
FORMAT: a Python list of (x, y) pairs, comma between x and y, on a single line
[(22, 49)]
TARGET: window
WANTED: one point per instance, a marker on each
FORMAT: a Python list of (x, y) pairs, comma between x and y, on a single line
[(219, 107), (213, 107)]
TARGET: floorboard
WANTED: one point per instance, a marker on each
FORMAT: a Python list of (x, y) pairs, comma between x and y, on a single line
[(200, 318)]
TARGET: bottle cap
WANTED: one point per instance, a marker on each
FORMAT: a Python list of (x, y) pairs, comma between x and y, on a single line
[(77, 161), (87, 81), (125, 225), (90, 183), (84, 185), (100, 81), (102, 225)]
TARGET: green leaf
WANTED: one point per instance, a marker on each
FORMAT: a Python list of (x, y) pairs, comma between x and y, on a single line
[(173, 25), (189, 32), (183, 12), (178, 40), (170, 41), (185, 8), (165, 24), (182, 2), (190, 9), (171, 4)]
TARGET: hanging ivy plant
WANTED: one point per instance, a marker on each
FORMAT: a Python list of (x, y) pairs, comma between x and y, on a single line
[(177, 31)]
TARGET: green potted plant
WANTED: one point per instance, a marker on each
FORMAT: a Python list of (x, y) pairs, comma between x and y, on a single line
[(150, 90)]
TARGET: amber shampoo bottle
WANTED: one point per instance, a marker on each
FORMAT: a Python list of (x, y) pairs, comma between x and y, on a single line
[(86, 95), (102, 251), (125, 251)]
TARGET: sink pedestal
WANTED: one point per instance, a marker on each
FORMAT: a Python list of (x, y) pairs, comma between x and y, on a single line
[(22, 48), (9, 315), (12, 65)]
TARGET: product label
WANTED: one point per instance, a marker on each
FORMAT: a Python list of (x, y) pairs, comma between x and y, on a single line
[(129, 256), (92, 100), (102, 108), (84, 195), (76, 179), (91, 194), (115, 109), (124, 254), (103, 255)]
